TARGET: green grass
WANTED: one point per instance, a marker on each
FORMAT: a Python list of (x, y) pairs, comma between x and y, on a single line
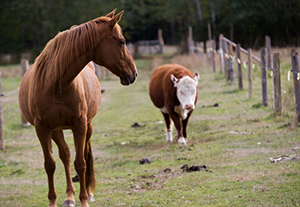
[(234, 141)]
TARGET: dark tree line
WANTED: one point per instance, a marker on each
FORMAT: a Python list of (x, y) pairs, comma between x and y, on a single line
[(27, 25)]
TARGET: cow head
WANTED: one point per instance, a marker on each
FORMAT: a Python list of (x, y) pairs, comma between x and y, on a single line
[(186, 90)]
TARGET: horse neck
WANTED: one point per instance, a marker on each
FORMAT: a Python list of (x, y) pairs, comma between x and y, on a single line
[(65, 56), (75, 67)]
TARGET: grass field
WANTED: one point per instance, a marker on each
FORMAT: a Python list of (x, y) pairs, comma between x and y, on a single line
[(235, 142)]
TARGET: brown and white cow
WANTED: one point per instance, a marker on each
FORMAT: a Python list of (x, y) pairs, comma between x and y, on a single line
[(174, 90)]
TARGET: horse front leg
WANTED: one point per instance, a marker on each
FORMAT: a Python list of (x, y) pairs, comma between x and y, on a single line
[(79, 130), (44, 135), (64, 154)]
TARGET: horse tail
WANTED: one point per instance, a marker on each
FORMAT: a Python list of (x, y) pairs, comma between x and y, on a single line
[(90, 173)]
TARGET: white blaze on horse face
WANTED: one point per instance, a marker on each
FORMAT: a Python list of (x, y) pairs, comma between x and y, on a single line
[(186, 90)]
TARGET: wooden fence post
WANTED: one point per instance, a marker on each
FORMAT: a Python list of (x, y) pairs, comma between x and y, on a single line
[(213, 55), (268, 55), (221, 52), (276, 84), (96, 70), (24, 68), (295, 66), (190, 41), (209, 31), (2, 145), (198, 52), (161, 40), (225, 53), (264, 77), (208, 54), (230, 65), (202, 49), (250, 72), (239, 65)]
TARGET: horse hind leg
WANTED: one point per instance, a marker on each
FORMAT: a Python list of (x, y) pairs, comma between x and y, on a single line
[(44, 135), (90, 174), (64, 154)]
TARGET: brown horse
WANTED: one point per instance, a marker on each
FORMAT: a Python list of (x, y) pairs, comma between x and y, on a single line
[(61, 91)]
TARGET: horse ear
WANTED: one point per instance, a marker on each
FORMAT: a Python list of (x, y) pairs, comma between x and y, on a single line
[(174, 80), (111, 14), (114, 20)]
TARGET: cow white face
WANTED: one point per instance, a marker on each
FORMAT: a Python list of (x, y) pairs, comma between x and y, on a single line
[(186, 90)]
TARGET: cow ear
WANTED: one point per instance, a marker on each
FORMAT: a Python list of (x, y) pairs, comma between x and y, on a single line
[(174, 80), (197, 77)]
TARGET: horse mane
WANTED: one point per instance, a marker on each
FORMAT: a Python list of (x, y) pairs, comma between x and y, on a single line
[(62, 52)]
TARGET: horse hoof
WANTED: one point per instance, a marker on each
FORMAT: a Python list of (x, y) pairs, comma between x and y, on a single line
[(91, 198), (69, 203)]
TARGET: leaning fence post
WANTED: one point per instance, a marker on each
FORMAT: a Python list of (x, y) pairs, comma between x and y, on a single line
[(264, 77), (250, 72), (24, 67), (296, 70), (276, 83), (2, 145), (239, 65)]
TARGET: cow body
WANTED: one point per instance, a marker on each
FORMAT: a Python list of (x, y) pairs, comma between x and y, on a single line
[(174, 90)]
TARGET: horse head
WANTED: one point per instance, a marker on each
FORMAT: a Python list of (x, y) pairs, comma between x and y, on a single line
[(112, 52)]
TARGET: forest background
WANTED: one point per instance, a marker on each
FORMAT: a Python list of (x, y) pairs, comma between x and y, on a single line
[(27, 25)]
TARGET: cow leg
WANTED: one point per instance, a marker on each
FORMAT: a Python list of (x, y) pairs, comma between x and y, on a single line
[(169, 137), (184, 126), (64, 154), (178, 126)]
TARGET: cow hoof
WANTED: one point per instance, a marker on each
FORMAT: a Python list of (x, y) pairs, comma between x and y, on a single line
[(91, 198), (169, 137), (69, 203), (182, 140)]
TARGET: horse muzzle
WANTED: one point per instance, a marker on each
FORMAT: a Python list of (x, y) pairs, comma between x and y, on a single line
[(128, 79)]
